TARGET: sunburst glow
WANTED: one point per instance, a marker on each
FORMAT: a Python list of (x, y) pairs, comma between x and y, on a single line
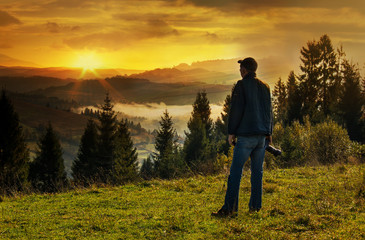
[(88, 61)]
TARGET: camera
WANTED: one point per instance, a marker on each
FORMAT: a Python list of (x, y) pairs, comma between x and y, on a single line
[(274, 151)]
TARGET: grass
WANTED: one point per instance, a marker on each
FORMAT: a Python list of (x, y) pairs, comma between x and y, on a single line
[(299, 203)]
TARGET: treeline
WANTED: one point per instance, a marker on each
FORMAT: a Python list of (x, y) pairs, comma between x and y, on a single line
[(329, 86)]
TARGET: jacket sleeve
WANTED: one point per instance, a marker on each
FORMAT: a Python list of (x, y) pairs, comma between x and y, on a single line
[(236, 110)]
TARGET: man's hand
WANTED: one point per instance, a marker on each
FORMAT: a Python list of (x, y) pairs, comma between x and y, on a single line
[(269, 139), (231, 139)]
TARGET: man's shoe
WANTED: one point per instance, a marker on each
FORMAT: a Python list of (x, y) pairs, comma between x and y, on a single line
[(224, 213), (252, 210)]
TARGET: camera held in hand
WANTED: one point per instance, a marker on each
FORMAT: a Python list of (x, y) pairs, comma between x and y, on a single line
[(274, 151)]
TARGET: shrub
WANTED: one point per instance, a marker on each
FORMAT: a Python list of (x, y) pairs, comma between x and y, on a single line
[(293, 144), (328, 143), (358, 151)]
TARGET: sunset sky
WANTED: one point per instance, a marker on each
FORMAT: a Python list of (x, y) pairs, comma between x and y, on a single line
[(149, 34)]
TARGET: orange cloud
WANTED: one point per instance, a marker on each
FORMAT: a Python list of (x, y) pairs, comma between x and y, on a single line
[(6, 19)]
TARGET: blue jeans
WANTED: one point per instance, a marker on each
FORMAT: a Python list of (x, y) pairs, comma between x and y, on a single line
[(249, 146)]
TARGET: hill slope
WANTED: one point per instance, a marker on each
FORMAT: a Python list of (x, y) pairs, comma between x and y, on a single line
[(69, 127), (122, 89), (299, 203)]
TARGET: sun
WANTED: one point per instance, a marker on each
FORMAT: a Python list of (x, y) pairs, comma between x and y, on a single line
[(88, 61)]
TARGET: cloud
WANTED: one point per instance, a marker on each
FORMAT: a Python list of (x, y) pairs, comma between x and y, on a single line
[(242, 5), (6, 19), (126, 37), (5, 45), (72, 4), (320, 27), (56, 28)]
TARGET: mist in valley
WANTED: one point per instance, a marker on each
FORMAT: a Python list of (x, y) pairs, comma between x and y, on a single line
[(149, 114)]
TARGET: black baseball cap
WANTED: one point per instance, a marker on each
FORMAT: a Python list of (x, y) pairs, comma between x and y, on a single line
[(249, 64)]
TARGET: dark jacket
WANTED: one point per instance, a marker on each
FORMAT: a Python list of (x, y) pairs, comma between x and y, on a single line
[(251, 110)]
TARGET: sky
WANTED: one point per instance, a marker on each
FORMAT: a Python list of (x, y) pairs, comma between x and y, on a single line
[(146, 34)]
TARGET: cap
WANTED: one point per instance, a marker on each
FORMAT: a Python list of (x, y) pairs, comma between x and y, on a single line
[(249, 64)]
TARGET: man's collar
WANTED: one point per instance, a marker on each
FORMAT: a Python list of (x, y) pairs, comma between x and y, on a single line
[(250, 75)]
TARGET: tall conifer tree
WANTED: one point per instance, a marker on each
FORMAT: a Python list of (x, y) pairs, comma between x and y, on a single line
[(107, 130), (202, 110), (310, 82), (294, 102), (166, 158), (221, 127), (14, 154), (47, 171), (352, 101), (85, 168), (124, 156), (197, 148), (280, 101)]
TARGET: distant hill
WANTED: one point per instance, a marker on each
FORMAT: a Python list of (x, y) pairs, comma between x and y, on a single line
[(62, 73), (269, 69), (9, 61), (125, 89), (26, 83), (175, 75)]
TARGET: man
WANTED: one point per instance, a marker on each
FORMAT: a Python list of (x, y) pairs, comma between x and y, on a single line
[(249, 124)]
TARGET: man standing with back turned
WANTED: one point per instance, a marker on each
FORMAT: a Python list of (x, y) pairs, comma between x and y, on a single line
[(249, 124)]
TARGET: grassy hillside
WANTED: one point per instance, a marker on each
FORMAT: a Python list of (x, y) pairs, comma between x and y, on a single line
[(299, 203)]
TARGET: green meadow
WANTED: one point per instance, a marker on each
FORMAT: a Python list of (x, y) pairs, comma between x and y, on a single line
[(324, 202)]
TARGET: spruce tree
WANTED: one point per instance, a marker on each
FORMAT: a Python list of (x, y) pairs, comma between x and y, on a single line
[(166, 164), (198, 152), (221, 127), (309, 80), (202, 110), (328, 74), (84, 168), (14, 154), (147, 169), (294, 102), (107, 130), (196, 146), (124, 166), (280, 101), (352, 101), (47, 171)]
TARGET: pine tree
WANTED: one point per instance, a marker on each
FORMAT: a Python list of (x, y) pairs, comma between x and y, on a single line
[(196, 145), (294, 102), (124, 166), (84, 168), (280, 101), (14, 154), (107, 130), (352, 101), (47, 171), (202, 110), (328, 74), (147, 169), (221, 127), (166, 164), (309, 80), (198, 152)]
